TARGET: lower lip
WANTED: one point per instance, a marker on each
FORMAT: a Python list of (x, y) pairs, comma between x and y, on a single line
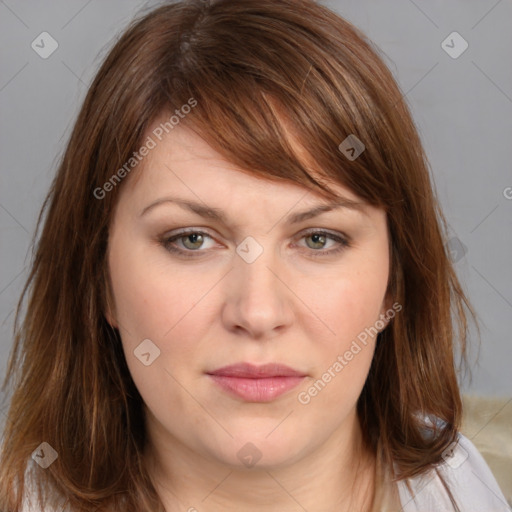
[(257, 390)]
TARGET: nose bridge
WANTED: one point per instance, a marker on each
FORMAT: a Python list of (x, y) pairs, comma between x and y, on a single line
[(255, 280), (257, 300)]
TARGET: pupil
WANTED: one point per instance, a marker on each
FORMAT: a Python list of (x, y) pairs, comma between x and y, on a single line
[(318, 239), (194, 238)]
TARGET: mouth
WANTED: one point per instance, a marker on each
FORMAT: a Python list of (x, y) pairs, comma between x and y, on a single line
[(254, 383)]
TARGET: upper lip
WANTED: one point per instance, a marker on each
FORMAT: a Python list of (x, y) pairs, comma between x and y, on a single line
[(251, 371)]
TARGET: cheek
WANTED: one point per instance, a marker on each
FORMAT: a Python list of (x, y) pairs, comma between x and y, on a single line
[(344, 346), (147, 301), (153, 303), (151, 306), (138, 302), (348, 304)]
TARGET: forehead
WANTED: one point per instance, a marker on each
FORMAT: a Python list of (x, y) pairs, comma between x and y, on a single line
[(181, 159)]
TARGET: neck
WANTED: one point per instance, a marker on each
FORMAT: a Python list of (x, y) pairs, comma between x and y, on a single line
[(338, 475)]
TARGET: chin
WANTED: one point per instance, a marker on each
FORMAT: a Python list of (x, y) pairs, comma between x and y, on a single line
[(260, 450)]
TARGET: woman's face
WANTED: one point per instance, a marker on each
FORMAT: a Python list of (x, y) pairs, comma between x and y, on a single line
[(213, 267)]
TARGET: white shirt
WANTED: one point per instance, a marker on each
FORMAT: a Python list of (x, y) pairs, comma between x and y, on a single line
[(468, 477)]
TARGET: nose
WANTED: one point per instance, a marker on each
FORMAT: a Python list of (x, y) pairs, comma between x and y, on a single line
[(258, 300)]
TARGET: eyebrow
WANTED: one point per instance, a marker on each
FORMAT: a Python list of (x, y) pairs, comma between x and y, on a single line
[(219, 214)]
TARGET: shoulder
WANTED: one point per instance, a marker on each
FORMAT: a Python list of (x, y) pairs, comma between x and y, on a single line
[(468, 477), (31, 493)]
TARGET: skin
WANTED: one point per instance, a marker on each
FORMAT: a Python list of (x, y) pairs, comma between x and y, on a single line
[(215, 309)]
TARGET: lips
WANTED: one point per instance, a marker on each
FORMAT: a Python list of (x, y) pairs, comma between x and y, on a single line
[(251, 371), (254, 383)]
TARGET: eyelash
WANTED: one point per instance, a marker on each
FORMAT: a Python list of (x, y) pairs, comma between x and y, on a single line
[(189, 253)]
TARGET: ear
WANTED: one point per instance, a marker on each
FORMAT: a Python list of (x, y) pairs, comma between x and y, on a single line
[(110, 319), (387, 303), (110, 316)]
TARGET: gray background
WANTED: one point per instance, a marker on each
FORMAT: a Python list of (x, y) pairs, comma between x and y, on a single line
[(462, 107)]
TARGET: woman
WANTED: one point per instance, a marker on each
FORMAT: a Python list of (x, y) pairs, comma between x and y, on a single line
[(240, 297)]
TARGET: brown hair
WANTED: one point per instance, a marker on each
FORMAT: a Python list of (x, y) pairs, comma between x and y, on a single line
[(257, 70)]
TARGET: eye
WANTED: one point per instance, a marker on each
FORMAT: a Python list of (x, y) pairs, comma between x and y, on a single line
[(192, 243), (194, 239), (186, 242), (317, 241)]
